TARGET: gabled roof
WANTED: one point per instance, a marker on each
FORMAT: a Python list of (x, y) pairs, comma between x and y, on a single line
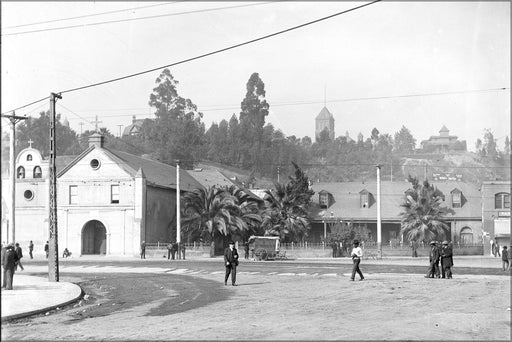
[(209, 177), (444, 129), (157, 173), (347, 200), (324, 114)]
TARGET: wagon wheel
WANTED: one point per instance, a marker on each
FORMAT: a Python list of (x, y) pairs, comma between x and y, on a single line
[(262, 253)]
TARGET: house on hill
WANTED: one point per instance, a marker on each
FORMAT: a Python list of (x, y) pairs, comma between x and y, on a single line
[(355, 203), (443, 142), (108, 201), (134, 128)]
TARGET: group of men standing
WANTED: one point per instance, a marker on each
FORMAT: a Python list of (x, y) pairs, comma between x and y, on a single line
[(11, 259), (440, 253)]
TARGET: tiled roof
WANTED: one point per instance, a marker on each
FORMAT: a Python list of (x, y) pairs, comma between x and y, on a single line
[(324, 114), (157, 173), (210, 177), (347, 200)]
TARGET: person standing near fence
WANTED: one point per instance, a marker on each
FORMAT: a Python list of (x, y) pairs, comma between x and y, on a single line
[(357, 254), (231, 262), (31, 249), (447, 260), (183, 250), (143, 250), (334, 246), (504, 259), (246, 250)]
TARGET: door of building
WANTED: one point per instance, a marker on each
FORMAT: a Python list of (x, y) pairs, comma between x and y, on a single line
[(94, 238)]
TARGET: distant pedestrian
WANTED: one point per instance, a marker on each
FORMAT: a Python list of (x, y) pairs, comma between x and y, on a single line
[(497, 249), (66, 253), (47, 249), (169, 248), (143, 250), (174, 249), (434, 255), (230, 262), (357, 254), (19, 253), (414, 247), (31, 249), (447, 260), (504, 259), (334, 246), (9, 260), (183, 249), (246, 250)]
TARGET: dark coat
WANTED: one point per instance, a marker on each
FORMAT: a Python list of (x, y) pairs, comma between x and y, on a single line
[(231, 257), (434, 254), (10, 258), (19, 252), (447, 256)]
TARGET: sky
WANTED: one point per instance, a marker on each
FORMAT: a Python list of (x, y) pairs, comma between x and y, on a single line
[(363, 63)]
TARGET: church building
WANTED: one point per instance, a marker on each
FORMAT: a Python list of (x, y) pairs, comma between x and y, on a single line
[(108, 201)]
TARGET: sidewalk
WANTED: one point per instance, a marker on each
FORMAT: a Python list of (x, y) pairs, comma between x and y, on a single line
[(32, 295)]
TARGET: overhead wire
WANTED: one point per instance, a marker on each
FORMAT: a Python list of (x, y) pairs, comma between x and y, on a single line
[(92, 15), (134, 19)]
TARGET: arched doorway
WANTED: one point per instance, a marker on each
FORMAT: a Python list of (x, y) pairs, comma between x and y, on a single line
[(94, 238), (466, 236)]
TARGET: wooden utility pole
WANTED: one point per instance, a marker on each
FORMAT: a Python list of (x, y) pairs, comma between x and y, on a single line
[(53, 257), (11, 235), (178, 209)]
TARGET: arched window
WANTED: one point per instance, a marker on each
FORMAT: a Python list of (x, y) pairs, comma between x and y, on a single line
[(37, 172), (466, 236), (502, 201), (21, 172), (29, 157)]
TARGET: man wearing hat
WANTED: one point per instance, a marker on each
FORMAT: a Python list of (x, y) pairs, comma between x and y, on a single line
[(434, 260), (446, 260), (9, 260), (357, 254), (231, 262)]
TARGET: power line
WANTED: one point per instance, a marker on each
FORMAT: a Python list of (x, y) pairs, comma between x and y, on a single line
[(91, 15), (31, 103), (134, 19), (221, 50)]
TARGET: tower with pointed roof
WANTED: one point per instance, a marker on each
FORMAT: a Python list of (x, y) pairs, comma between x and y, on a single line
[(324, 120)]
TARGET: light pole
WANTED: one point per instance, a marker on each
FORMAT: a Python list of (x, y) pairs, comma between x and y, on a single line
[(11, 237), (379, 226), (178, 212)]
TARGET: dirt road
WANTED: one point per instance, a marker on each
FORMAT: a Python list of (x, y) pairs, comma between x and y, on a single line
[(272, 307)]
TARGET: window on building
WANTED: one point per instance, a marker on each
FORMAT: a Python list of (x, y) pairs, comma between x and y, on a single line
[(502, 201), (29, 157), (114, 194), (21, 172), (457, 199), (466, 236), (73, 194), (37, 172), (364, 200), (324, 200), (28, 194)]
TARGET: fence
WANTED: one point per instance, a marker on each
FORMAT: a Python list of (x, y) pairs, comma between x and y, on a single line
[(316, 250)]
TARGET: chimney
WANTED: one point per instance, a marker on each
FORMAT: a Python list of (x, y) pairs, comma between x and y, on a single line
[(96, 139), (133, 119)]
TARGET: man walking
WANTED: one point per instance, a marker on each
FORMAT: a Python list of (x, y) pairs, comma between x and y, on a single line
[(357, 254), (30, 249), (19, 253), (143, 250), (446, 260), (47, 249), (231, 262), (504, 258)]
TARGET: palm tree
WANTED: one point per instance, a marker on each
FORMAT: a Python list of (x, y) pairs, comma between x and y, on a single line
[(210, 212), (285, 216), (249, 210), (422, 219)]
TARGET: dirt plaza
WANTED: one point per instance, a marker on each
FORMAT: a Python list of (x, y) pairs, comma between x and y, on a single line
[(283, 306)]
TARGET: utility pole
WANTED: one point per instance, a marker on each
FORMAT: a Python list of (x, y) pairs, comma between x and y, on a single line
[(278, 170), (53, 259), (120, 130), (178, 209), (11, 237), (379, 226), (81, 128)]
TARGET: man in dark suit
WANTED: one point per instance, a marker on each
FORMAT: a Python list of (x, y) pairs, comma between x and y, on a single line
[(447, 260), (231, 262), (434, 260), (9, 260)]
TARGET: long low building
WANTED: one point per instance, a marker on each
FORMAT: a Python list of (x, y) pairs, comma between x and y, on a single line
[(355, 203)]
